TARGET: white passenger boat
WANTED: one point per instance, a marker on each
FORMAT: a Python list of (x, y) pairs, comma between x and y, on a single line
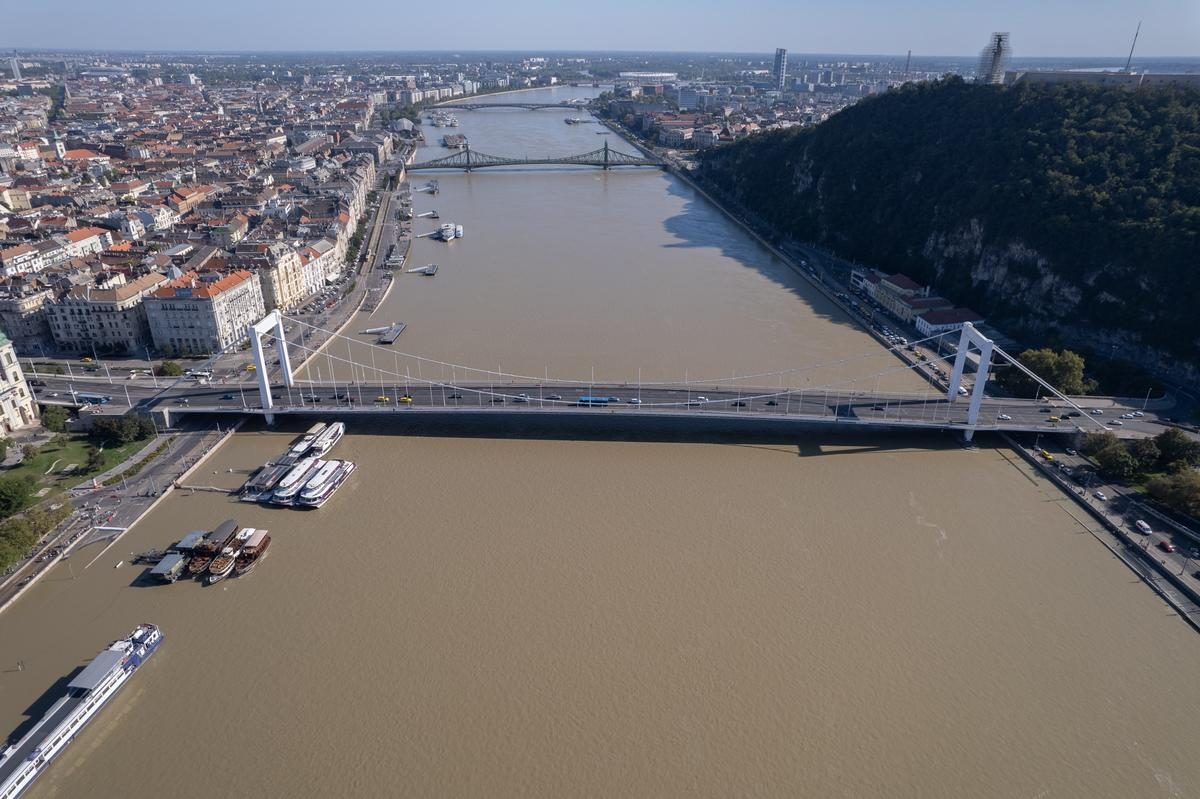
[(317, 493), (293, 481), (328, 439)]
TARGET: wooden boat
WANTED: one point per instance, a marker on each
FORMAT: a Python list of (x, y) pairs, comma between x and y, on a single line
[(254, 550)]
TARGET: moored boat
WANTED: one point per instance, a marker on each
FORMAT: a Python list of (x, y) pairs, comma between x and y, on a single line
[(302, 445), (317, 494), (210, 546), (295, 481), (222, 564), (328, 439), (292, 481), (254, 551)]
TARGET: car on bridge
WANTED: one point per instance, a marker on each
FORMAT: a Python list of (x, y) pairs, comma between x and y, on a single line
[(383, 398), (454, 396), (226, 396), (1166, 546), (1004, 417)]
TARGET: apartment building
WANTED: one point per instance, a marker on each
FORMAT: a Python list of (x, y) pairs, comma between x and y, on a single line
[(204, 312), (103, 317)]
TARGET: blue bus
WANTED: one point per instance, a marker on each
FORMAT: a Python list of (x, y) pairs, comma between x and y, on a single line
[(93, 399), (598, 400)]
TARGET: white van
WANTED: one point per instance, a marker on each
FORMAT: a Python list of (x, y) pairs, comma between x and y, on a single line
[(1142, 527)]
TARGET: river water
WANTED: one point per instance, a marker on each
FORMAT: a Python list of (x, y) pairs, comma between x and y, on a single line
[(476, 617)]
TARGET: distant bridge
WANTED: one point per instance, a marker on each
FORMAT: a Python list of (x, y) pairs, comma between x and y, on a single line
[(563, 106), (467, 159)]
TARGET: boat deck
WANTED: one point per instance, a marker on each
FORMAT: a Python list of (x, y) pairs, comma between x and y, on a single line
[(57, 714)]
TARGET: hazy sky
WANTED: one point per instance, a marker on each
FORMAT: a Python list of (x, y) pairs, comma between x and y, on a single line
[(927, 27)]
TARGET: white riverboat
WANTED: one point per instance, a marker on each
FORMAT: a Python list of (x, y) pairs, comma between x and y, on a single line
[(22, 762)]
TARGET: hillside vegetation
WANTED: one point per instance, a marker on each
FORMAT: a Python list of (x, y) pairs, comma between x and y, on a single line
[(1067, 212)]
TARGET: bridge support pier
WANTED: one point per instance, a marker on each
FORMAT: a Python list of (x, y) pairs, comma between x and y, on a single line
[(971, 336)]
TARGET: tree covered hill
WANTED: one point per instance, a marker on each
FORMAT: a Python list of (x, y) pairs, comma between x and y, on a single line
[(1065, 211)]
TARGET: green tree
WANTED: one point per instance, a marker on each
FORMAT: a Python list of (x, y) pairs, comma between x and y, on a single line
[(1176, 449), (1061, 369), (1116, 463), (1180, 492), (14, 493), (168, 369), (29, 452), (5, 443), (54, 418), (1145, 453), (95, 460), (1095, 442)]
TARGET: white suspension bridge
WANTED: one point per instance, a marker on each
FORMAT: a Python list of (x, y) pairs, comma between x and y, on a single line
[(344, 375)]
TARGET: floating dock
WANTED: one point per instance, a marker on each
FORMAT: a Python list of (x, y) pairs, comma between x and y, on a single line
[(392, 333), (428, 269)]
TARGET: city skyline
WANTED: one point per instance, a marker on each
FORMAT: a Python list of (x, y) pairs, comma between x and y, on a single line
[(862, 27)]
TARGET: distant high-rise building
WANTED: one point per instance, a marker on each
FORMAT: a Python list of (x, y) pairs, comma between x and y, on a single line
[(994, 60), (780, 68), (15, 66)]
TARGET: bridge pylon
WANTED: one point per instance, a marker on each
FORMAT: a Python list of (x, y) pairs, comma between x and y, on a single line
[(272, 322), (971, 336), (606, 156)]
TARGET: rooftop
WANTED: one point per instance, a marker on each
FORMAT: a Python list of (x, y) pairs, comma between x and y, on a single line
[(191, 285)]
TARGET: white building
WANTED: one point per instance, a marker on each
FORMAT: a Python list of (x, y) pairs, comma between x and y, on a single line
[(88, 240), (16, 400), (203, 313), (20, 259)]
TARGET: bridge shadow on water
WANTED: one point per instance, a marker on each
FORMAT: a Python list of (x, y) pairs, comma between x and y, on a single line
[(703, 224), (808, 439)]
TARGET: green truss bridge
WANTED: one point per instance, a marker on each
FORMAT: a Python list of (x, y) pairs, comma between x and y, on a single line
[(468, 159)]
